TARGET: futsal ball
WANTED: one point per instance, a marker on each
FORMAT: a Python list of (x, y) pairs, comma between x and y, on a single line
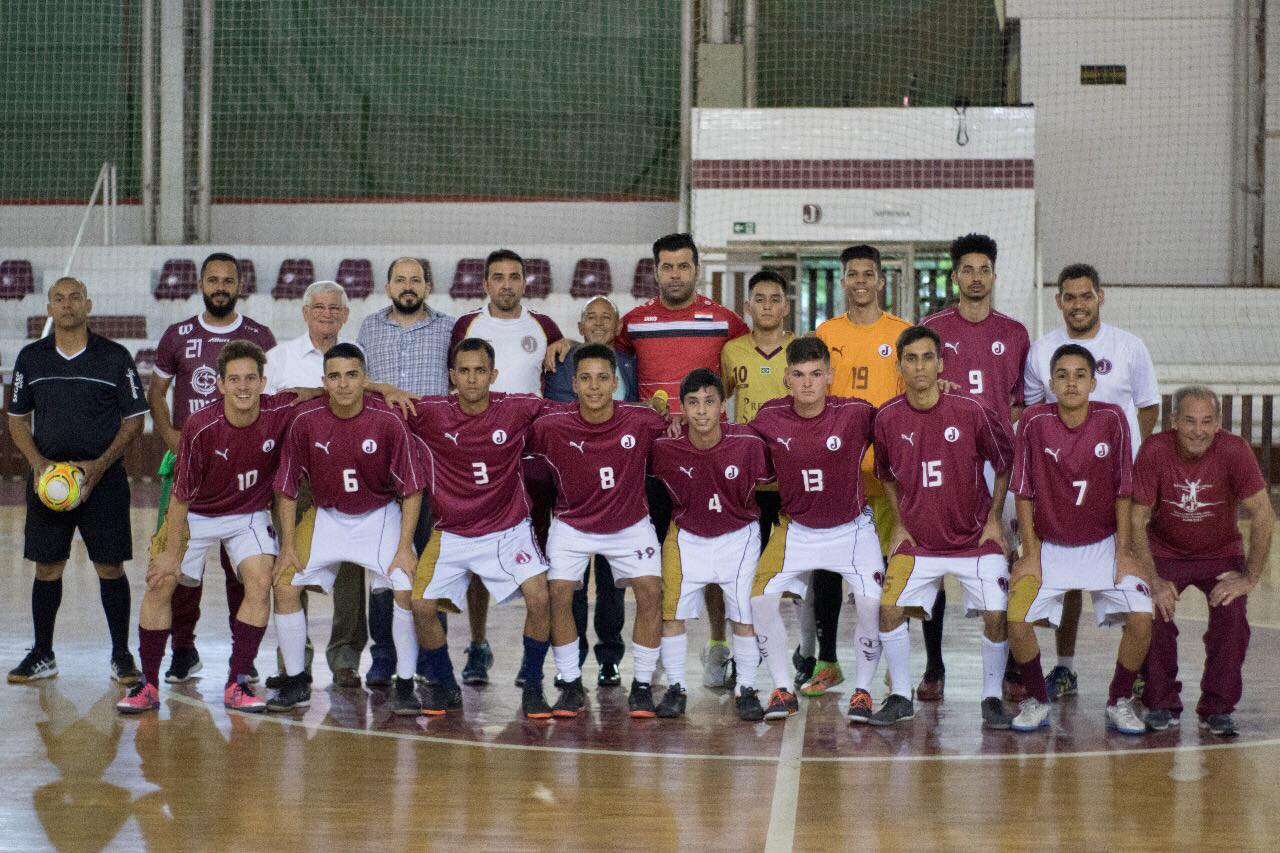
[(59, 487)]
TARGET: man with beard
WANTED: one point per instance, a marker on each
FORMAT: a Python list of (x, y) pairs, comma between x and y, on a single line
[(187, 359)]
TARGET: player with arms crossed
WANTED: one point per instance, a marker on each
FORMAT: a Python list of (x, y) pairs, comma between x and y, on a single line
[(1073, 477), (816, 444), (930, 451), (359, 459), (711, 472), (482, 527), (598, 453), (227, 459)]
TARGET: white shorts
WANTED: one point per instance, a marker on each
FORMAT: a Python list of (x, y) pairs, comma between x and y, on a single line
[(502, 560), (690, 563), (1009, 516), (1091, 567), (913, 582), (244, 535), (851, 550), (632, 552), (326, 538)]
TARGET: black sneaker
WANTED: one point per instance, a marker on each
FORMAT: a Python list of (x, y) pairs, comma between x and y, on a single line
[(404, 703), (123, 670), (479, 659), (294, 693), (673, 702), (183, 666), (275, 682), (640, 700), (748, 704), (610, 675), (994, 716), (573, 698), (1219, 724), (1157, 719), (439, 699), (34, 666), (895, 709), (533, 704), (803, 665)]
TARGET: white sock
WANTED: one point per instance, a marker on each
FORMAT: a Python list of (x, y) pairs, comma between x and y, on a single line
[(675, 652), (746, 658), (1069, 661), (994, 658), (291, 633), (897, 653), (643, 661), (566, 658), (808, 625), (771, 638), (866, 639), (405, 640)]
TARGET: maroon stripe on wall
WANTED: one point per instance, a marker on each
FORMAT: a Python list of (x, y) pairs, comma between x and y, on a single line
[(863, 174)]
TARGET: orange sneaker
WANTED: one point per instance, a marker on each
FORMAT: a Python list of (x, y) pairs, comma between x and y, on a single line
[(826, 674), (860, 707), (782, 704)]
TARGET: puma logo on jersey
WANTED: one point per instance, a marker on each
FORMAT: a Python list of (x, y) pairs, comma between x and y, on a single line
[(452, 436), (578, 444), (785, 442), (1053, 452), (909, 438), (223, 454), (955, 348), (687, 471), (838, 350), (325, 446)]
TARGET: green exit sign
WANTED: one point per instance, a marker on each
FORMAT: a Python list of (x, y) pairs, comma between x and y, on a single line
[(744, 228)]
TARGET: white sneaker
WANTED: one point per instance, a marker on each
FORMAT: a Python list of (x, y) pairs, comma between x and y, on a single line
[(1033, 715), (1121, 717), (715, 665)]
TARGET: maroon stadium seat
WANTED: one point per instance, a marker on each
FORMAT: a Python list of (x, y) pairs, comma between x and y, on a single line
[(295, 276), (644, 285), (17, 279), (178, 279), (468, 279), (537, 278), (248, 276), (591, 277), (356, 277)]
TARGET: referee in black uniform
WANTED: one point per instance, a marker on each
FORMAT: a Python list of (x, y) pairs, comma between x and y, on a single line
[(84, 395)]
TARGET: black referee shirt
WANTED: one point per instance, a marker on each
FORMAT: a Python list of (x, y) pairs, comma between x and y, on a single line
[(79, 402)]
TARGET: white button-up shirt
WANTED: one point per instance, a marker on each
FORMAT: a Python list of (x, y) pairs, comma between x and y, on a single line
[(294, 364)]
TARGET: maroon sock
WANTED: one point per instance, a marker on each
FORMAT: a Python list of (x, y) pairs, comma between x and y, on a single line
[(151, 650), (1121, 683), (186, 612), (245, 640), (235, 589), (1033, 679)]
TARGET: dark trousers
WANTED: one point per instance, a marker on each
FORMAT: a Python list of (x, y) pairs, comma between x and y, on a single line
[(1226, 639), (610, 616)]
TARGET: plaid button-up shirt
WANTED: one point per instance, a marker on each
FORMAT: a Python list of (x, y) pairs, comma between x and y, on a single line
[(414, 359)]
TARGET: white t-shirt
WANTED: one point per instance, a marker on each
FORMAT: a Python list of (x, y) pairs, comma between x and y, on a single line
[(294, 364), (1126, 375), (519, 346)]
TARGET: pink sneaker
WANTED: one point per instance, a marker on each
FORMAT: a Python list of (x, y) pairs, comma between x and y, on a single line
[(240, 697), (142, 697)]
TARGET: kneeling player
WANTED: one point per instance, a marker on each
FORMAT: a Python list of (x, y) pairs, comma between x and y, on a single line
[(481, 521), (221, 497), (1073, 475), (711, 473), (359, 458), (931, 449)]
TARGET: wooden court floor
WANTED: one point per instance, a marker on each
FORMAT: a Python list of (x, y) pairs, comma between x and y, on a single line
[(345, 774)]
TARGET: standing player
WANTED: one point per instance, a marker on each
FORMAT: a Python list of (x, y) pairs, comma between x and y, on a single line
[(187, 359), (817, 443), (482, 528), (983, 354), (598, 453), (711, 472), (77, 398), (1073, 475), (1125, 376), (930, 451), (359, 459), (221, 496)]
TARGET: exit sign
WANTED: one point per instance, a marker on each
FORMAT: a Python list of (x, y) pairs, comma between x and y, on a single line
[(744, 228)]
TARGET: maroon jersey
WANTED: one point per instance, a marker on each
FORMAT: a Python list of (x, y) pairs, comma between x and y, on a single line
[(985, 359), (599, 469), (478, 486), (1193, 501), (818, 460), (188, 354), (712, 490), (935, 457), (354, 465), (228, 470), (1073, 475)]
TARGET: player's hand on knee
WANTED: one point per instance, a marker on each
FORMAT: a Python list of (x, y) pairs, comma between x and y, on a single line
[(1026, 566), (1164, 596), (286, 561), (405, 562), (163, 566), (1230, 586)]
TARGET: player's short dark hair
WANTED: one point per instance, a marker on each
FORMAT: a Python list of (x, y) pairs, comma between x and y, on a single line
[(801, 350), (698, 379), (767, 277), (862, 252), (345, 350), (918, 333), (502, 255), (973, 244), (600, 351), (1071, 271), (474, 345), (220, 256), (1073, 349), (674, 243), (391, 266), (241, 349)]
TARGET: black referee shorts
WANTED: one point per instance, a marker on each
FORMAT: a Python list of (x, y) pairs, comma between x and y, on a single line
[(103, 522)]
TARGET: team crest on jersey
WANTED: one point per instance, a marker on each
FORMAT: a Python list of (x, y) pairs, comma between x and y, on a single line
[(522, 558), (886, 350), (369, 445), (499, 436), (268, 445), (731, 473), (185, 329), (628, 441), (528, 344), (833, 442), (1104, 366), (1102, 450), (204, 380), (997, 347), (951, 434)]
